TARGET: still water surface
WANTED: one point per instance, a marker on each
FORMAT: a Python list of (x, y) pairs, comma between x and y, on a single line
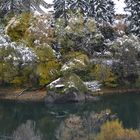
[(41, 121)]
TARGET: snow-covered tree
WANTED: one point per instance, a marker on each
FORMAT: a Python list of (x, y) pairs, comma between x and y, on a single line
[(101, 10), (4, 7), (61, 9), (104, 11), (110, 11), (133, 7), (18, 6), (91, 8), (79, 5)]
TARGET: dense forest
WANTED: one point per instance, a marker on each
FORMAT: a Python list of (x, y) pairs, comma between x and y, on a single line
[(75, 50), (82, 38)]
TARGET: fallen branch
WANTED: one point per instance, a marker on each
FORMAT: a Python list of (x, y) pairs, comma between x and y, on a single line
[(22, 92)]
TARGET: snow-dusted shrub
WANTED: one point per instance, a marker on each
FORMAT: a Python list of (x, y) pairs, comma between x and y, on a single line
[(31, 28), (41, 30), (79, 34), (16, 61), (75, 61), (126, 50)]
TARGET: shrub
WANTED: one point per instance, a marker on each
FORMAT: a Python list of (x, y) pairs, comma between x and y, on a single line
[(107, 31), (48, 71), (104, 74), (126, 51), (75, 61), (40, 31), (79, 34), (17, 26)]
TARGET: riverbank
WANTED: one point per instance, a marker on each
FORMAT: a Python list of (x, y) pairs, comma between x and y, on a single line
[(39, 95), (109, 91), (19, 95)]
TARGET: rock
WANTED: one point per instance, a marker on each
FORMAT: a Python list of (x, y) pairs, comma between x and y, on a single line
[(68, 89), (71, 95)]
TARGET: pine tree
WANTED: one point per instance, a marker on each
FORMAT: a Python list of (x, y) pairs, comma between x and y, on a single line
[(91, 8), (110, 11), (4, 7), (61, 9), (101, 10), (133, 9), (80, 5)]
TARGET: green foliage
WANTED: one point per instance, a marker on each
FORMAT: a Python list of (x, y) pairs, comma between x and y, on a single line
[(74, 81), (79, 34), (18, 26), (75, 61), (105, 75), (7, 69), (45, 53), (26, 76), (108, 31), (48, 71), (40, 30), (137, 82), (7, 72), (48, 67), (126, 50), (114, 130)]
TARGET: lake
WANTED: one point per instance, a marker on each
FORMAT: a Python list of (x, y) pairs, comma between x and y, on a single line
[(46, 122)]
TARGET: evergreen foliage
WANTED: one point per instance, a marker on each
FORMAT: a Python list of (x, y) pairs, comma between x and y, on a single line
[(102, 11), (133, 9)]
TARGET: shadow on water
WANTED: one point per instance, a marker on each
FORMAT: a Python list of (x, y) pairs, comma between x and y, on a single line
[(43, 121)]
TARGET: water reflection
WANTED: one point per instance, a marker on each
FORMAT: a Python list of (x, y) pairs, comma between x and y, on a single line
[(27, 131), (82, 127), (49, 122)]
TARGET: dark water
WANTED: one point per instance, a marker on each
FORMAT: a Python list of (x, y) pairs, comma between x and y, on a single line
[(42, 121)]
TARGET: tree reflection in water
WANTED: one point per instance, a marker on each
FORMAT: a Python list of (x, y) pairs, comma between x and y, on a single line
[(27, 131), (83, 128)]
